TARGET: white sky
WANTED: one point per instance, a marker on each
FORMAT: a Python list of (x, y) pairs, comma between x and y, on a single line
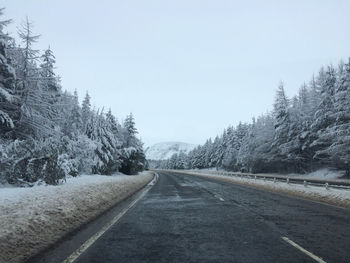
[(185, 68)]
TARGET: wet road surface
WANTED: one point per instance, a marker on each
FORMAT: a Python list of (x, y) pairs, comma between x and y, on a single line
[(186, 218)]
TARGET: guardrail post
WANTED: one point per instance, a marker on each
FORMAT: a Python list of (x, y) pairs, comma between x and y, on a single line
[(305, 183), (255, 177), (287, 180), (274, 179), (264, 178), (326, 185)]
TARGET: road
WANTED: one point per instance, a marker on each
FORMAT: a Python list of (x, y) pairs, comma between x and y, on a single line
[(186, 218)]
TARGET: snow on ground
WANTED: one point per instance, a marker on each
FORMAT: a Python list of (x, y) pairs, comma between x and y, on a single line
[(33, 218), (338, 197), (322, 174)]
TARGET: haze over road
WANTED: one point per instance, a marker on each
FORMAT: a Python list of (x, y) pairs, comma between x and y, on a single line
[(186, 218)]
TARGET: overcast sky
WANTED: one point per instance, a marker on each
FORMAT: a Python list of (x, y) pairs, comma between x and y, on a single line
[(185, 68)]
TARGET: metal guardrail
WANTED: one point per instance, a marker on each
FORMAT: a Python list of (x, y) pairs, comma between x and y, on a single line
[(289, 180)]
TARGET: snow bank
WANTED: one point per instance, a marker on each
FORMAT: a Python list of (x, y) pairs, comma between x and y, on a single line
[(321, 174), (336, 197), (324, 174), (33, 218)]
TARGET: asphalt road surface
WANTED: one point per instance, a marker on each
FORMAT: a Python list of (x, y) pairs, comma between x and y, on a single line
[(186, 218)]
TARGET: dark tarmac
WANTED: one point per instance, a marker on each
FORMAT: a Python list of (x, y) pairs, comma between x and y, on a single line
[(186, 218)]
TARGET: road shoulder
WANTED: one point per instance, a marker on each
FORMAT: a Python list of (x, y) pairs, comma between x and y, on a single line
[(53, 213), (335, 197)]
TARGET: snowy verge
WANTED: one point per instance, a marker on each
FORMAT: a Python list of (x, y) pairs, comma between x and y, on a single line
[(335, 197), (31, 219), (321, 174)]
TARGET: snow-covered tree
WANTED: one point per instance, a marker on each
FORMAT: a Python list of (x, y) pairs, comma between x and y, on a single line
[(133, 157), (86, 111), (324, 115), (130, 129), (50, 88), (281, 114), (9, 101), (254, 154), (45, 135), (34, 119), (107, 146), (337, 133), (72, 123)]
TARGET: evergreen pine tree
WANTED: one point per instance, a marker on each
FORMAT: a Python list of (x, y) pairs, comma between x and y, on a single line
[(282, 124), (9, 102), (324, 115), (50, 88), (86, 111), (337, 134)]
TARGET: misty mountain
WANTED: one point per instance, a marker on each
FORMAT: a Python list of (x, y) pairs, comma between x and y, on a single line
[(165, 150)]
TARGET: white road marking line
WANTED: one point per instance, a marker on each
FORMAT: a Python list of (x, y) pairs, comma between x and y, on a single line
[(96, 236), (221, 199), (316, 258)]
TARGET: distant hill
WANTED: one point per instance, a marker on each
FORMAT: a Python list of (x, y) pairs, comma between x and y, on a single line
[(164, 150)]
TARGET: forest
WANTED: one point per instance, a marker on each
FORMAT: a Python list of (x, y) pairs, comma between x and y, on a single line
[(301, 134), (45, 134)]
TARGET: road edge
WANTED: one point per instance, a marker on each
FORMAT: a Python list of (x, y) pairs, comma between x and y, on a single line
[(85, 246), (47, 252)]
